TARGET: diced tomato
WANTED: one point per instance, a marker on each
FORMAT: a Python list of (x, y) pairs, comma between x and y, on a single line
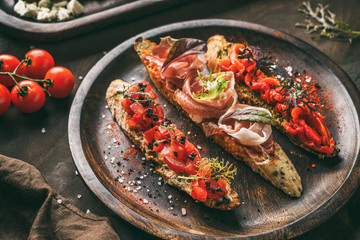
[(213, 190), (125, 102), (137, 108), (190, 148), (146, 123), (269, 81), (178, 150), (205, 171), (160, 112), (222, 183), (158, 146), (174, 164), (132, 89), (189, 167), (199, 194), (150, 134)]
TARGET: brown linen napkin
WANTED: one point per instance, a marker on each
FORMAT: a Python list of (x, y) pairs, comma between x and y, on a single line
[(30, 208)]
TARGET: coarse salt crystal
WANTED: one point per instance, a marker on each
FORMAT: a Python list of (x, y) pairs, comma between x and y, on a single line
[(105, 157), (76, 173), (160, 178), (81, 77), (87, 211), (143, 158), (43, 130), (199, 147), (133, 145), (164, 105), (106, 106), (188, 133), (120, 180), (103, 116), (159, 183), (112, 160), (145, 201), (138, 182), (114, 140), (170, 196), (59, 201), (183, 211), (79, 196)]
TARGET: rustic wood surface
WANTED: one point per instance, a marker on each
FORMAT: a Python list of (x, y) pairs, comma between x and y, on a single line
[(21, 137)]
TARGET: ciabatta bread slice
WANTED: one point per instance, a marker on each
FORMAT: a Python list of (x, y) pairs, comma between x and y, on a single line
[(228, 202)]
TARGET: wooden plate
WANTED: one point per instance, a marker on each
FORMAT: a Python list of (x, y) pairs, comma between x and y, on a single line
[(112, 170), (97, 14)]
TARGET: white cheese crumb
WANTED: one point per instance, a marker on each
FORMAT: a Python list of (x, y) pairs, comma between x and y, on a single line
[(75, 7), (44, 4), (63, 14)]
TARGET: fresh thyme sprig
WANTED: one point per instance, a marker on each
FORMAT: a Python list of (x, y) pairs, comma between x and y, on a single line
[(323, 23), (213, 168), (295, 93)]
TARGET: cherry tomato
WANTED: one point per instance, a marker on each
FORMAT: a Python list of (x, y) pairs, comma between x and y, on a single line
[(40, 62), (32, 101), (8, 63), (5, 99), (63, 82)]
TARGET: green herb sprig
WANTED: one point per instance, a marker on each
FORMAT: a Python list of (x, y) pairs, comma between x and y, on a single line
[(212, 88), (219, 170), (323, 23)]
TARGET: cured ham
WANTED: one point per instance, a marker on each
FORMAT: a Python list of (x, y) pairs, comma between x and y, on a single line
[(200, 108)]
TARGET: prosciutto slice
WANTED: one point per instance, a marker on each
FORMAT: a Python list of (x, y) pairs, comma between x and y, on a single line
[(199, 108), (245, 132), (178, 70)]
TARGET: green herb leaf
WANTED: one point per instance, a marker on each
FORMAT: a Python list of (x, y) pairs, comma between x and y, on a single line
[(212, 88), (183, 47), (252, 115)]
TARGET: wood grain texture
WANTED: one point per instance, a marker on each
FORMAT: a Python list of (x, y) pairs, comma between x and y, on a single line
[(266, 213), (97, 15)]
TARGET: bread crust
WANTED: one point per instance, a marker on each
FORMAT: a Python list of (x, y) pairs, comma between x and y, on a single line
[(278, 169), (137, 137), (217, 50)]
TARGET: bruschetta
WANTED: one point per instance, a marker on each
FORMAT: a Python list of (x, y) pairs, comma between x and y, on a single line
[(207, 180), (210, 101), (293, 112)]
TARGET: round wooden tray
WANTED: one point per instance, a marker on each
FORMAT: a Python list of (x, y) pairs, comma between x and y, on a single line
[(98, 148)]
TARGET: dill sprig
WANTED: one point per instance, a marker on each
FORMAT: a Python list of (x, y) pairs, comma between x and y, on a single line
[(296, 94), (323, 23), (213, 168)]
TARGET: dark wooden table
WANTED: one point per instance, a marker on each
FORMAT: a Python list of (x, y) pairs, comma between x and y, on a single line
[(21, 136)]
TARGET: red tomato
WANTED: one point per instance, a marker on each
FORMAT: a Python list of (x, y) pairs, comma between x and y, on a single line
[(125, 102), (40, 62), (174, 164), (5, 99), (8, 63), (189, 167), (137, 108), (199, 194), (32, 101), (178, 150), (63, 82)]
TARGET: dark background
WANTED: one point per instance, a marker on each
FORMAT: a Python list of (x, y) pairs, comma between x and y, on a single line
[(21, 137)]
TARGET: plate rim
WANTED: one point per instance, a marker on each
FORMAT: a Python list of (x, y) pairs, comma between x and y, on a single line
[(335, 202)]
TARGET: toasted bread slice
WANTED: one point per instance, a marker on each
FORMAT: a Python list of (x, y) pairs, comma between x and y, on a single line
[(228, 202), (218, 50), (278, 169)]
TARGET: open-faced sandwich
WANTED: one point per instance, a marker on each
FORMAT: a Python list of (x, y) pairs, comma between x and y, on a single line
[(211, 102), (293, 112), (178, 161)]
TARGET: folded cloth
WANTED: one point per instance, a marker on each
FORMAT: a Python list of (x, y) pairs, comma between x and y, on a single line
[(31, 209)]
